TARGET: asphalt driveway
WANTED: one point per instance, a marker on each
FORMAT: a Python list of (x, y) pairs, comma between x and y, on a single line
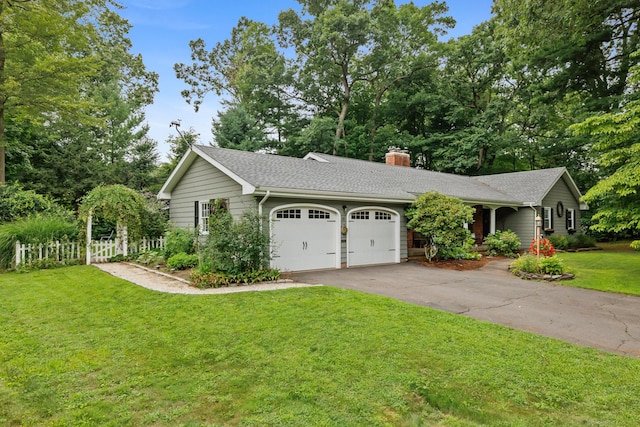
[(602, 320)]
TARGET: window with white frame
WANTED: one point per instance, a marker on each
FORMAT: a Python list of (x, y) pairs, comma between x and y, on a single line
[(547, 218), (571, 219), (203, 219)]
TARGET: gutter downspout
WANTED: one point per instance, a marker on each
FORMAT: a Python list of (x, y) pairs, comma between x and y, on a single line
[(264, 199), (535, 213)]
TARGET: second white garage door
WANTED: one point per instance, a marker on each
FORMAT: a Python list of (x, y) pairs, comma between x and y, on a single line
[(373, 237), (305, 238)]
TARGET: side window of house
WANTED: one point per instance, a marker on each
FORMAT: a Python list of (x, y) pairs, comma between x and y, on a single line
[(203, 220), (547, 218), (571, 219)]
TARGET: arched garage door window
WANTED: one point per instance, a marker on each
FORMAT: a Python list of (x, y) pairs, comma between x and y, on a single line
[(305, 237)]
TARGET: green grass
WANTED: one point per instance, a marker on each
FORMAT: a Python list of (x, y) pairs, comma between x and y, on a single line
[(614, 269), (79, 347)]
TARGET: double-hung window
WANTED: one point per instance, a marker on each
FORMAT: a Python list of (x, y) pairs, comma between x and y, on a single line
[(204, 211), (571, 219), (547, 218)]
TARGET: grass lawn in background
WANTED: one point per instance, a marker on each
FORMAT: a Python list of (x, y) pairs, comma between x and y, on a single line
[(79, 347), (614, 269)]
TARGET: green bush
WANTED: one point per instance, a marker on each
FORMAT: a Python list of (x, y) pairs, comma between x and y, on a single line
[(504, 243), (17, 203), (179, 240), (559, 241), (206, 280), (550, 265), (150, 258), (34, 230), (528, 263), (635, 245), (235, 247), (460, 252), (182, 261), (578, 241), (440, 220)]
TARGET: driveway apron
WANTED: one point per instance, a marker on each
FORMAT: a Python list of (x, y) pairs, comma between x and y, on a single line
[(602, 320)]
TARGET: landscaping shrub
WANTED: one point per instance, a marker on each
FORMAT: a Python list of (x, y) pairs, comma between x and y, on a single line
[(546, 247), (16, 203), (182, 261), (635, 245), (460, 252), (206, 280), (559, 242), (34, 230), (550, 265), (179, 240), (440, 220), (578, 241), (529, 263), (150, 258), (235, 247), (504, 243)]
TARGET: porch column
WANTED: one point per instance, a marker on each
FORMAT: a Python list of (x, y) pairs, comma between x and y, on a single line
[(492, 222)]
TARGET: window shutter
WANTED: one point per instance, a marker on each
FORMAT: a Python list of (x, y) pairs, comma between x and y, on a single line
[(568, 219), (196, 216), (551, 217)]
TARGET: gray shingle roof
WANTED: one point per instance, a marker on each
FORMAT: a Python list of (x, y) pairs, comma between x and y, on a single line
[(528, 186), (349, 176)]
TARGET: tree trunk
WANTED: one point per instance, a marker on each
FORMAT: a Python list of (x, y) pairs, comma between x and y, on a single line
[(340, 128)]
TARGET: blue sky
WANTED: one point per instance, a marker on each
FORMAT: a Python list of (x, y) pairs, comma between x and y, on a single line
[(162, 30)]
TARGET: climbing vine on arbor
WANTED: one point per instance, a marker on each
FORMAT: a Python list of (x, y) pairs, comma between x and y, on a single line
[(115, 203)]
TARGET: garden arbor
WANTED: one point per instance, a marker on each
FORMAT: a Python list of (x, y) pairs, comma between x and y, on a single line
[(115, 203)]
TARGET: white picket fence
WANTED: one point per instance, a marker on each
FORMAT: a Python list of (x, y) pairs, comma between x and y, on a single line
[(73, 252)]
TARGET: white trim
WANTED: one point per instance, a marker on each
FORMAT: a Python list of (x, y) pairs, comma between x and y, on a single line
[(201, 204), (338, 244), (313, 156), (394, 214), (186, 161), (573, 218), (547, 217)]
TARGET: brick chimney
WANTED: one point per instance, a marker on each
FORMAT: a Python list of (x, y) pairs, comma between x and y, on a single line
[(397, 157)]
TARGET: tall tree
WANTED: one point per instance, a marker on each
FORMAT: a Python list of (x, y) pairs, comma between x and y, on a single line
[(617, 136), (45, 60), (236, 128), (86, 127), (247, 67)]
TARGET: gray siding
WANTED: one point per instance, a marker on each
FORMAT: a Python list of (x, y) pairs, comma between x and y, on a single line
[(274, 202), (561, 193), (520, 222), (202, 181)]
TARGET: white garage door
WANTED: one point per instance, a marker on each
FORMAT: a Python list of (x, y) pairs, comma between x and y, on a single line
[(373, 237), (305, 238)]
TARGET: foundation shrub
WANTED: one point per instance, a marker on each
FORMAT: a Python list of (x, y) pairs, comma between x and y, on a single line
[(182, 261), (179, 240), (505, 243)]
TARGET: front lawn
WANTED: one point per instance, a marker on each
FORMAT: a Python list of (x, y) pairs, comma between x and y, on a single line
[(614, 269), (79, 347)]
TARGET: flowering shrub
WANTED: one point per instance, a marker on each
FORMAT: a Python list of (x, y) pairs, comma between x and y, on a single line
[(546, 247)]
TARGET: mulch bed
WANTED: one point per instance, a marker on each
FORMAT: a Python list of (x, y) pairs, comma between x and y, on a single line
[(456, 264)]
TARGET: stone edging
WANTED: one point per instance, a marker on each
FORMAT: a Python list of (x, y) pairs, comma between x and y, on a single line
[(547, 277), (180, 279)]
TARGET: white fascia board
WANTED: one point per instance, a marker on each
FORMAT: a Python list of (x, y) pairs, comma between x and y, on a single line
[(312, 156), (176, 175), (327, 195), (247, 188)]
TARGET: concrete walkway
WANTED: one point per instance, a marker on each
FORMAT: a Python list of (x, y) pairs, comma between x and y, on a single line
[(602, 320)]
